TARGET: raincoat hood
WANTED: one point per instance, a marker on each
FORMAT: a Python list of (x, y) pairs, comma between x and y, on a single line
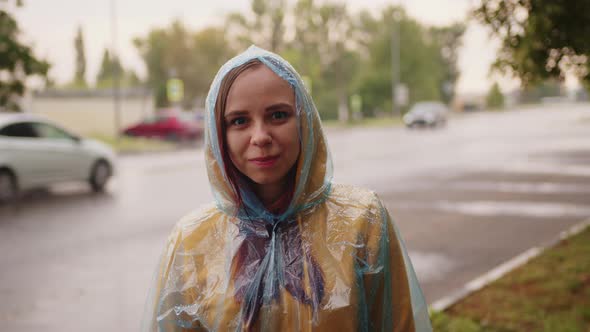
[(314, 166)]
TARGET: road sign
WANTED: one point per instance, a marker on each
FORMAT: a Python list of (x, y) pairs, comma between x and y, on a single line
[(402, 95), (174, 90)]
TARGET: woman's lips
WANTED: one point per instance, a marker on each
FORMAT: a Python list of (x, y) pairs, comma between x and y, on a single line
[(265, 161)]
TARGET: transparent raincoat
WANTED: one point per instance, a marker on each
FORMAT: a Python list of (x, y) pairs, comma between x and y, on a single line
[(333, 261)]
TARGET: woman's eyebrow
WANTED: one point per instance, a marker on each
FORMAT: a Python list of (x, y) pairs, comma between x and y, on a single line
[(235, 113), (279, 106)]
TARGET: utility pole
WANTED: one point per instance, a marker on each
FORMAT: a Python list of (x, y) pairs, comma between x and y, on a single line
[(395, 64), (115, 71)]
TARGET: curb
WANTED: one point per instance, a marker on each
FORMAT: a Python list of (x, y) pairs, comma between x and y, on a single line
[(502, 269)]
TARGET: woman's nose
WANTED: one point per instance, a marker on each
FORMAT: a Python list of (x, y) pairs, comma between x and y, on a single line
[(261, 136)]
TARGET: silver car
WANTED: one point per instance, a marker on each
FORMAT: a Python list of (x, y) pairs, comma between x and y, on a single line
[(36, 153), (426, 114)]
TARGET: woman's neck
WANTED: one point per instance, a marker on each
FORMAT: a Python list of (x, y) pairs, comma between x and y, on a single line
[(270, 193), (276, 197)]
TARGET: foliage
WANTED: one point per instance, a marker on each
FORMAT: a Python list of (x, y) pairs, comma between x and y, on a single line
[(17, 62), (427, 58), (110, 66), (541, 39), (175, 52), (495, 98), (339, 54), (265, 29), (534, 93), (448, 40), (320, 52), (80, 74)]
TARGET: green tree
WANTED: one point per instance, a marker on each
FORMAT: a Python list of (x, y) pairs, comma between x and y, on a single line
[(541, 39), (495, 98), (448, 40), (264, 26), (80, 74), (109, 66), (17, 62), (192, 57), (321, 52), (533, 93), (425, 65)]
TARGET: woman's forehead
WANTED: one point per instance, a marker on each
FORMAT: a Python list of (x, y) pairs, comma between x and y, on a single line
[(259, 84)]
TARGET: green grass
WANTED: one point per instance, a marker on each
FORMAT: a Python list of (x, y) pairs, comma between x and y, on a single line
[(549, 293), (367, 122), (135, 145)]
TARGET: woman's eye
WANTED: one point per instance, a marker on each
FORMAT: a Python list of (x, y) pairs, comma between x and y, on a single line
[(279, 115), (238, 121)]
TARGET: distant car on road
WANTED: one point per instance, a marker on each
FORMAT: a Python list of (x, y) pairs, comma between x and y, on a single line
[(36, 153), (173, 127), (426, 114)]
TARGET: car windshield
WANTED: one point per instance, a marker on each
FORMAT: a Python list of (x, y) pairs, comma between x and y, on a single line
[(421, 108)]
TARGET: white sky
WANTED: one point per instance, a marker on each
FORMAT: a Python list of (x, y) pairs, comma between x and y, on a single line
[(51, 26)]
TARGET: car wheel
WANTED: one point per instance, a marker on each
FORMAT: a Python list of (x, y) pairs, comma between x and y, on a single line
[(99, 176), (8, 187)]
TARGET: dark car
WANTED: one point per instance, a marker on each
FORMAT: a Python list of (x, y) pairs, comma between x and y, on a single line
[(173, 127)]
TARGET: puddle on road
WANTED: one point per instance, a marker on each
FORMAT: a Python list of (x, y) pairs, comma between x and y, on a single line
[(502, 208), (531, 167), (430, 266), (528, 209), (523, 187)]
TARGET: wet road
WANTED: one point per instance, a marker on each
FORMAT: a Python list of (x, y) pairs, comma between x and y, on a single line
[(466, 198)]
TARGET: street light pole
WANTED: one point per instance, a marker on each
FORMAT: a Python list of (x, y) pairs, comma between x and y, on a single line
[(115, 71), (395, 63)]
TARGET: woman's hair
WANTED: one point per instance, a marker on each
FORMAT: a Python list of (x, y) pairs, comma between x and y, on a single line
[(232, 172)]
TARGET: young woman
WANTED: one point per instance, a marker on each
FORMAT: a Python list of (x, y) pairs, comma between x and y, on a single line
[(283, 248)]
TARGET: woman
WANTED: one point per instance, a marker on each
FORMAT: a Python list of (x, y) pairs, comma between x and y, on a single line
[(283, 249)]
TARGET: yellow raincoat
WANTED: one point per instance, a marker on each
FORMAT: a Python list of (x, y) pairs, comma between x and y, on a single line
[(333, 261)]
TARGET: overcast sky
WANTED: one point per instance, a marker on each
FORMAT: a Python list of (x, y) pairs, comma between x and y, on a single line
[(51, 25)]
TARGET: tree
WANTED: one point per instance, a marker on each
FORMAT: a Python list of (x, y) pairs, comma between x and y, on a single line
[(321, 52), (265, 29), (175, 52), (541, 39), (495, 98), (17, 62), (427, 60), (109, 66), (448, 40), (80, 74), (534, 93)]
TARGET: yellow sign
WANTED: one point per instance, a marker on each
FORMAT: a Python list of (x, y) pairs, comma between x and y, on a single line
[(174, 90)]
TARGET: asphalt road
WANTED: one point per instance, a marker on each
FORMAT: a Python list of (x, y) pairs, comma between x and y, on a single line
[(466, 198)]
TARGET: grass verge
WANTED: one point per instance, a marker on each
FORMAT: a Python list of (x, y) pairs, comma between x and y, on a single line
[(549, 293), (127, 145)]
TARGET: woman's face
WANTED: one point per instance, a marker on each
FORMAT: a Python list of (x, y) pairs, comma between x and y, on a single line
[(261, 126)]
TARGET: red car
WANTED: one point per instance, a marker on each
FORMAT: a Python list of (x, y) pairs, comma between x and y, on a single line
[(178, 127)]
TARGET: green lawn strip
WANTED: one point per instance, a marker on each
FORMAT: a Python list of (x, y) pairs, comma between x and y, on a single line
[(135, 145), (549, 293)]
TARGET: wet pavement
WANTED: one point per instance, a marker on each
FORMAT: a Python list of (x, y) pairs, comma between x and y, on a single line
[(466, 198)]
